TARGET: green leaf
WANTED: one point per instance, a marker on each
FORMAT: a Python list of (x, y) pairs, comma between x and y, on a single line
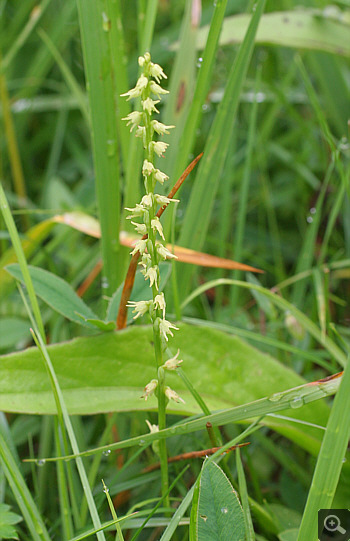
[(12, 330), (56, 293), (216, 510), (7, 519), (32, 240), (302, 29), (108, 372)]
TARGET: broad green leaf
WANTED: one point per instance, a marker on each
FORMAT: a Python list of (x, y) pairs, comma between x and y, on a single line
[(12, 330), (30, 243), (301, 29), (108, 372), (289, 535), (216, 511), (7, 520), (56, 293)]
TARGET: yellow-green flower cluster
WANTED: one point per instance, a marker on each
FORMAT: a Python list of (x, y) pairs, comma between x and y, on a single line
[(152, 249)]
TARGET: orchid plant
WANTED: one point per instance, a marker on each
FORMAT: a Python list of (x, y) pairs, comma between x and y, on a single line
[(152, 248)]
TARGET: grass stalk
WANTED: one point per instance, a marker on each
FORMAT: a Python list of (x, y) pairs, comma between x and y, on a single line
[(197, 217), (244, 191), (95, 27), (330, 460), (14, 155)]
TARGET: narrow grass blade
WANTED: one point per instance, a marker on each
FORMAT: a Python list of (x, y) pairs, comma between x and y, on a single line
[(94, 29), (67, 75), (33, 20), (330, 460), (119, 59), (31, 241), (249, 529), (201, 202), (296, 397), (244, 189), (304, 29), (202, 85), (284, 305), (22, 494), (180, 95), (18, 248), (12, 144)]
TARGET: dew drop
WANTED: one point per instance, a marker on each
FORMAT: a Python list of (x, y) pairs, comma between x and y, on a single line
[(313, 210), (275, 397), (106, 452), (104, 283), (224, 510), (205, 107), (215, 3), (106, 490), (106, 23), (142, 442), (309, 219), (344, 460), (199, 62), (111, 147), (40, 462), (297, 402)]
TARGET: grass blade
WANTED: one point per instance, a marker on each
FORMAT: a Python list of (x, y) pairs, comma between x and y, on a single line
[(330, 460), (20, 490), (201, 202), (94, 27)]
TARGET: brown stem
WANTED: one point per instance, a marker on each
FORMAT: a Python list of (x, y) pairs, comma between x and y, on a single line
[(193, 454), (130, 275)]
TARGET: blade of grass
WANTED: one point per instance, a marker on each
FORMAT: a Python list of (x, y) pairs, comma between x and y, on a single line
[(18, 248), (204, 78), (329, 461), (201, 201), (67, 75), (321, 301), (64, 420), (13, 151), (257, 337), (244, 190), (284, 305), (119, 59), (249, 529), (94, 27), (277, 402), (132, 192), (22, 494), (22, 37), (66, 516)]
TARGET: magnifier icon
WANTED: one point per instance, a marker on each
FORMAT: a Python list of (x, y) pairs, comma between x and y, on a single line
[(332, 524)]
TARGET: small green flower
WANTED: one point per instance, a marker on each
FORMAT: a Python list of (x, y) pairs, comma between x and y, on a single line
[(157, 226), (140, 307), (159, 302), (165, 328), (150, 388), (161, 128), (173, 363), (134, 119), (140, 246), (172, 395), (164, 252), (159, 147)]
